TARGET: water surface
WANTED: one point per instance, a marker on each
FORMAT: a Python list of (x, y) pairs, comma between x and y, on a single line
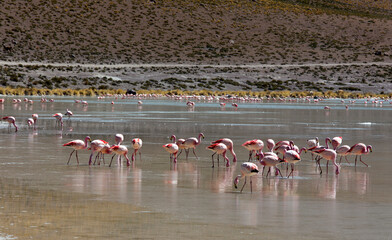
[(43, 198)]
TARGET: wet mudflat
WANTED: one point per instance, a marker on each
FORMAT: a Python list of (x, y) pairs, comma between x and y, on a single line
[(42, 197)]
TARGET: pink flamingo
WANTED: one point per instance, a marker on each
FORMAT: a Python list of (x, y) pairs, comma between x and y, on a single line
[(30, 122), (336, 141), (35, 118), (230, 146), (255, 145), (118, 138), (342, 151), (270, 160), (360, 149), (171, 148), (179, 143), (219, 148), (248, 169), (122, 151), (137, 143), (315, 150), (292, 157), (96, 146), (314, 142), (192, 143), (234, 105), (11, 120), (105, 150), (77, 145), (68, 113), (59, 118), (329, 155), (270, 144)]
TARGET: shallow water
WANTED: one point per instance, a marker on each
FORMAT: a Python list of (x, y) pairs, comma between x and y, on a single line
[(43, 198)]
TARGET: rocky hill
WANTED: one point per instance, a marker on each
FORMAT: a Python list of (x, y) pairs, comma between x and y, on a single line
[(200, 32)]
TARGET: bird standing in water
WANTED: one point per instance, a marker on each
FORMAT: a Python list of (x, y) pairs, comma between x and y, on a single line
[(11, 120), (77, 145), (248, 169)]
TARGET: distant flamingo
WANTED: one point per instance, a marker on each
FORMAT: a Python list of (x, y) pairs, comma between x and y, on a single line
[(96, 146), (219, 148), (329, 155), (248, 169), (179, 143), (137, 143), (360, 149), (11, 120), (342, 151), (35, 118), (171, 148), (192, 143), (234, 105), (68, 113), (230, 146), (255, 145), (77, 145), (270, 160), (119, 138), (59, 118), (30, 122), (122, 151)]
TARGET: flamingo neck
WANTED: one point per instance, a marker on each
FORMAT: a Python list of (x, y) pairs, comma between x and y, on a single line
[(85, 142), (234, 155), (326, 142)]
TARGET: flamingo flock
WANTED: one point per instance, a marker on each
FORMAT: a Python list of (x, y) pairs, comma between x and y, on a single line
[(280, 153)]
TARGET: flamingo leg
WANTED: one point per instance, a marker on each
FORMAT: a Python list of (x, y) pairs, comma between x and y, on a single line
[(356, 160), (175, 157), (243, 185), (321, 171), (327, 166), (292, 171), (213, 159), (262, 171), (250, 155), (340, 160), (250, 183), (360, 159), (269, 170), (346, 159), (110, 164), (128, 161), (77, 158), (70, 156), (179, 153), (187, 153), (278, 171), (90, 160), (195, 154)]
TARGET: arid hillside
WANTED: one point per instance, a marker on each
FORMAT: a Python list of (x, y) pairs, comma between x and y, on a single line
[(197, 32)]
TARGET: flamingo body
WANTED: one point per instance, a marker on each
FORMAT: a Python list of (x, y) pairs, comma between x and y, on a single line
[(248, 169)]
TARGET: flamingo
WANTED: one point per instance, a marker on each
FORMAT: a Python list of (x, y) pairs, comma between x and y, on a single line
[(137, 143), (68, 113), (120, 150), (292, 157), (316, 149), (219, 148), (270, 160), (360, 149), (234, 105), (192, 143), (343, 151), (96, 146), (255, 145), (11, 120), (119, 138), (105, 150), (30, 121), (77, 145), (179, 143), (336, 141), (230, 146), (35, 118), (59, 118), (270, 144), (329, 155), (248, 169), (313, 142), (172, 148)]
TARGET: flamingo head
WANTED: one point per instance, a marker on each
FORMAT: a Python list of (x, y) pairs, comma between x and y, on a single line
[(236, 180), (317, 140), (337, 171), (88, 138), (260, 156), (173, 137), (370, 148), (202, 135)]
